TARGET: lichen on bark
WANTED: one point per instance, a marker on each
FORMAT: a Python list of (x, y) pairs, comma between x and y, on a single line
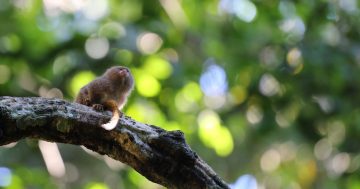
[(161, 156)]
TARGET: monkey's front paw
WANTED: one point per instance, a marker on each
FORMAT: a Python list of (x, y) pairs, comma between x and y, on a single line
[(98, 107), (87, 102)]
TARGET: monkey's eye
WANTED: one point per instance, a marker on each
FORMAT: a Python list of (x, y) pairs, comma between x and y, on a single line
[(123, 68)]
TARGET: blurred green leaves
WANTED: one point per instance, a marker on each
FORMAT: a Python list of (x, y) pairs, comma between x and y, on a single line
[(146, 84), (96, 186), (10, 43), (157, 67), (267, 88), (80, 80), (213, 134)]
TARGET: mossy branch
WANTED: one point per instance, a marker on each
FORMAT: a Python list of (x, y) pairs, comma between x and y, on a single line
[(161, 156)]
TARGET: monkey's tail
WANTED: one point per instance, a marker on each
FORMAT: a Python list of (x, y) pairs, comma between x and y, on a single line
[(112, 105)]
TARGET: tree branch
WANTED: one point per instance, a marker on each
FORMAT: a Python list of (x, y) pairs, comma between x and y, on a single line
[(161, 156)]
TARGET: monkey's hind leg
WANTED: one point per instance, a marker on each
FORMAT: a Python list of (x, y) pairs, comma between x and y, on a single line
[(98, 107)]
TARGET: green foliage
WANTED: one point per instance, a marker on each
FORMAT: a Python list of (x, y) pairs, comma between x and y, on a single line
[(266, 88), (79, 80)]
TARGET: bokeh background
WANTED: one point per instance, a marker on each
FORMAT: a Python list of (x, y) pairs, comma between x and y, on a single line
[(266, 92)]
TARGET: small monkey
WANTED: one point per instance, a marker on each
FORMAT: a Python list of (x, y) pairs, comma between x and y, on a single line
[(109, 91)]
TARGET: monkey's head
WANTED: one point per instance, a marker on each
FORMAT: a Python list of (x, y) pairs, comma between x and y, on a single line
[(120, 76)]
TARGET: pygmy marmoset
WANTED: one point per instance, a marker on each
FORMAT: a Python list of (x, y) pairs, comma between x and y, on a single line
[(109, 91)]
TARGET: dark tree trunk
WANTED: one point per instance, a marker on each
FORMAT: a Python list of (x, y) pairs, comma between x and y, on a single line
[(161, 156)]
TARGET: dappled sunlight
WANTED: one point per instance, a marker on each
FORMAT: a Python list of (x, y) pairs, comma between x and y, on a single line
[(210, 129), (50, 93), (72, 173), (124, 56), (114, 164), (147, 85), (282, 120), (10, 43), (112, 30), (331, 34), (238, 94), (339, 164), (10, 145), (158, 67), (294, 27), (171, 55), (325, 103), (192, 92), (254, 114), (146, 112), (52, 7), (95, 9), (323, 149), (286, 116), (294, 57), (5, 176), (90, 152), (214, 84), (245, 182), (63, 63), (336, 132), (96, 185), (175, 12), (5, 74), (188, 98), (52, 158), (307, 172), (149, 43), (270, 160), (268, 85), (92, 9), (295, 60), (97, 47), (26, 79), (140, 181), (215, 102), (350, 6), (243, 9), (265, 92), (23, 4), (270, 57), (79, 80), (213, 81), (287, 151), (287, 8)]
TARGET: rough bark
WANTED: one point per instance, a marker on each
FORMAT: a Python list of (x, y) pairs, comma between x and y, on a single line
[(161, 156)]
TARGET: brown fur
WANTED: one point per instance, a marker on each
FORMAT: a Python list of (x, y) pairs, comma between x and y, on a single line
[(110, 92)]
